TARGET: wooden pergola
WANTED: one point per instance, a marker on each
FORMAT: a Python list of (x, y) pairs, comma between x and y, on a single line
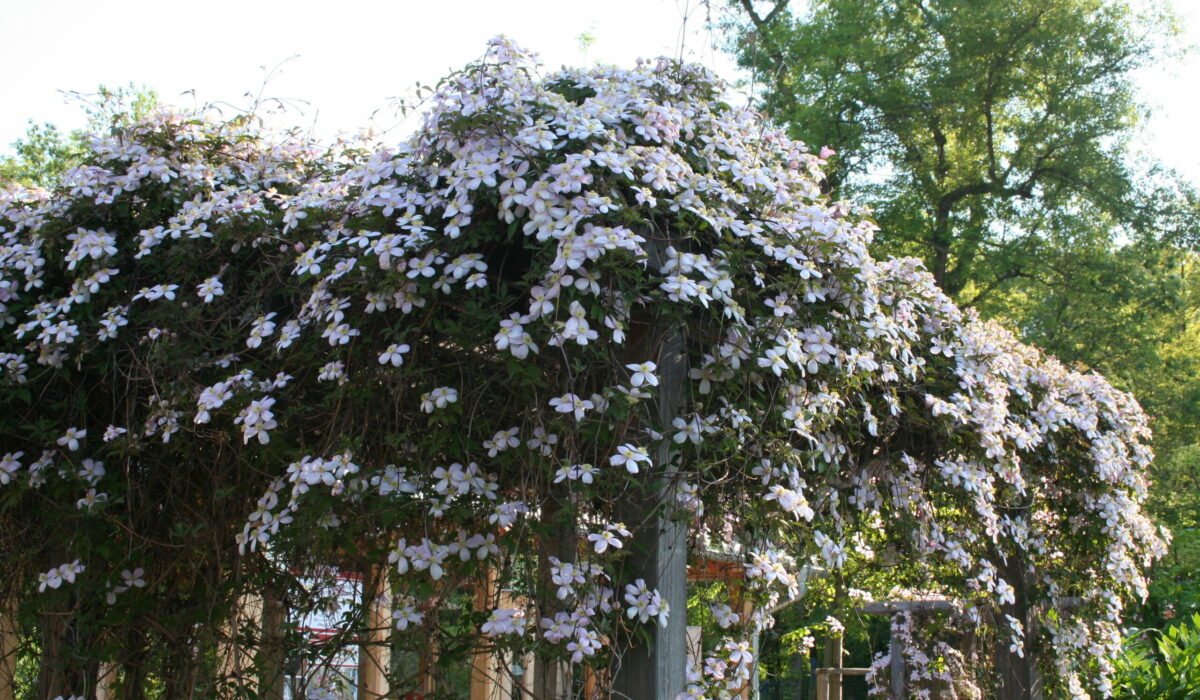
[(492, 676)]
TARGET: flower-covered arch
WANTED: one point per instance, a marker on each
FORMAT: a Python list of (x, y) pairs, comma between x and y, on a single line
[(567, 311)]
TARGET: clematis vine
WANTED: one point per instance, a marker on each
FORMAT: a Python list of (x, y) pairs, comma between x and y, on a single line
[(456, 360)]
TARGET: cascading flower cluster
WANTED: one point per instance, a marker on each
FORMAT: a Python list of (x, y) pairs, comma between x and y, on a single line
[(453, 356)]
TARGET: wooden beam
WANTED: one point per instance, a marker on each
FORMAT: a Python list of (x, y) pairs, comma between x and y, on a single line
[(1016, 669), (10, 641), (552, 674), (833, 661), (891, 607), (716, 569), (374, 652), (899, 684), (656, 670), (270, 656)]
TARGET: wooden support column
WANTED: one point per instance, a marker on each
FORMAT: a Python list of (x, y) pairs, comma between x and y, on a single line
[(1017, 673), (374, 654), (695, 646), (899, 685), (551, 675), (236, 657), (656, 671), (426, 680), (740, 602), (488, 680), (106, 678), (491, 675), (52, 680), (833, 660), (270, 657), (482, 678), (10, 641), (750, 692)]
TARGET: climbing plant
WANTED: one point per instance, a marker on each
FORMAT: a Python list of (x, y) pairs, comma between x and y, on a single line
[(567, 310)]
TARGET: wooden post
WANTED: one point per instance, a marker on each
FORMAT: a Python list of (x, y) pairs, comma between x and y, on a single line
[(52, 680), (552, 675), (591, 685), (899, 683), (745, 608), (270, 657), (899, 673), (482, 678), (374, 654), (426, 680), (750, 692), (491, 674), (833, 660), (659, 553), (106, 677), (10, 641), (1017, 673), (522, 683), (482, 675), (695, 646), (235, 658)]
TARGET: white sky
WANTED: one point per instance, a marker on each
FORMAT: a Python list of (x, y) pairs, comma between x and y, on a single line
[(341, 60), (345, 58)]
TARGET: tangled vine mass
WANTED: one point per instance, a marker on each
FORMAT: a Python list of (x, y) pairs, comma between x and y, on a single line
[(236, 360)]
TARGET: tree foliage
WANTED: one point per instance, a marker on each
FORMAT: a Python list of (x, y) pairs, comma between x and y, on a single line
[(44, 153), (977, 130), (992, 141)]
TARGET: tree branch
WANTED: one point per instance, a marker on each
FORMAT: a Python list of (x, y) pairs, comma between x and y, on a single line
[(761, 23)]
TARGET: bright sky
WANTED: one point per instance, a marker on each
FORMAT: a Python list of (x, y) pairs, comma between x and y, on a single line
[(341, 61), (345, 58)]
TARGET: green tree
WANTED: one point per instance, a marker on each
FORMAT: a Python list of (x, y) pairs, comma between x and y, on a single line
[(39, 157), (45, 152), (992, 139), (978, 128), (1129, 313)]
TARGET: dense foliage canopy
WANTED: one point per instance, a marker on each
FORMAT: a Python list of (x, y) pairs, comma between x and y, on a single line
[(234, 359), (996, 140), (999, 141)]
